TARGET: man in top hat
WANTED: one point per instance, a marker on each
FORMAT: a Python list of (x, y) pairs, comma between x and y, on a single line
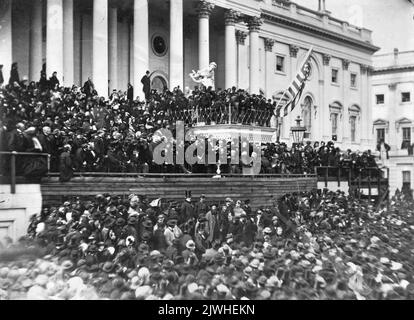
[(146, 85)]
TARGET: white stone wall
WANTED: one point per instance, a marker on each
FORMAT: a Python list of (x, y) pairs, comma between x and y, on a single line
[(16, 209), (391, 83)]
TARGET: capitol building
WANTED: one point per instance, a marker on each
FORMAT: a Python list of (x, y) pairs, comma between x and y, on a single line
[(257, 45)]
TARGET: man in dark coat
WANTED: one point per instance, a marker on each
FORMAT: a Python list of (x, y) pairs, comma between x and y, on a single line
[(88, 88), (45, 139), (16, 139), (249, 230), (130, 92), (201, 206), (14, 75), (187, 211), (65, 164), (1, 75), (146, 82), (54, 81)]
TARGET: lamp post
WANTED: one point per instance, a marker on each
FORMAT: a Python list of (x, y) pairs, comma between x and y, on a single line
[(298, 131)]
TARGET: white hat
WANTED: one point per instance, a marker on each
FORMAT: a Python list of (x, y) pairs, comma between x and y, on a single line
[(192, 287), (222, 288), (143, 292), (190, 244)]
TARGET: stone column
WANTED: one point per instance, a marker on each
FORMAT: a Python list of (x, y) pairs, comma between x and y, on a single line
[(100, 47), (368, 102), (241, 39), (68, 51), (6, 51), (254, 27), (204, 11), (54, 38), (346, 129), (113, 48), (36, 40), (325, 112), (140, 45), (269, 68), (230, 67), (176, 44), (367, 137)]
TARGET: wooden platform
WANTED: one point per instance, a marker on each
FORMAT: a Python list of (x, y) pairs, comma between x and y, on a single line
[(261, 191)]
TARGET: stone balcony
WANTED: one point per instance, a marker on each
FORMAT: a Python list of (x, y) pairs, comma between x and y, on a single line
[(396, 59)]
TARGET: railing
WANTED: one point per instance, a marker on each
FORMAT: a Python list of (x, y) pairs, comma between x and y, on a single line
[(214, 115), (13, 155), (373, 177), (181, 175)]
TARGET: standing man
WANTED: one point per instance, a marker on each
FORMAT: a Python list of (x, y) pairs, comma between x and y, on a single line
[(1, 76), (14, 75), (130, 92), (54, 81), (146, 85), (201, 206)]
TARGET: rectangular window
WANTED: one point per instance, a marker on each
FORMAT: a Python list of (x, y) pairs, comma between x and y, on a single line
[(406, 138), (405, 97), (380, 135), (334, 75), (380, 98), (334, 121), (280, 64), (353, 127), (353, 80)]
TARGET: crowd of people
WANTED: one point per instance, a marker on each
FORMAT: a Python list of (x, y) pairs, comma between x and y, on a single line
[(83, 132), (309, 245)]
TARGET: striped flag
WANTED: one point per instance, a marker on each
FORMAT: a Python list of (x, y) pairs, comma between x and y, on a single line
[(297, 85)]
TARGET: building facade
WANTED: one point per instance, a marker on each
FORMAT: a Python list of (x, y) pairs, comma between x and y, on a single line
[(257, 45), (393, 113)]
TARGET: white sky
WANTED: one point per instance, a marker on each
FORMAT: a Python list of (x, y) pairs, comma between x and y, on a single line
[(392, 21)]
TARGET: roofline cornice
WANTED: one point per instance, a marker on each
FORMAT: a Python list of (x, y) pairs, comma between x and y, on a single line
[(323, 33)]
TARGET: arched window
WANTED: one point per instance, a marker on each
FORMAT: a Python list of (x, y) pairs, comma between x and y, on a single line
[(354, 117), (307, 116), (335, 110)]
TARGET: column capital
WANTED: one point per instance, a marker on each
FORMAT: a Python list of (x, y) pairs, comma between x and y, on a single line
[(269, 44), (241, 36), (204, 9), (326, 59), (293, 50), (254, 23), (366, 69), (392, 86), (345, 64), (231, 17)]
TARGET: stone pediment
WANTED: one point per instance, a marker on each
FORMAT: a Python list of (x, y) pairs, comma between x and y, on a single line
[(403, 120), (381, 122)]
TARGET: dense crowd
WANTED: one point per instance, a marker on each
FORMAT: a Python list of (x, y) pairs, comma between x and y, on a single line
[(314, 245), (85, 133)]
